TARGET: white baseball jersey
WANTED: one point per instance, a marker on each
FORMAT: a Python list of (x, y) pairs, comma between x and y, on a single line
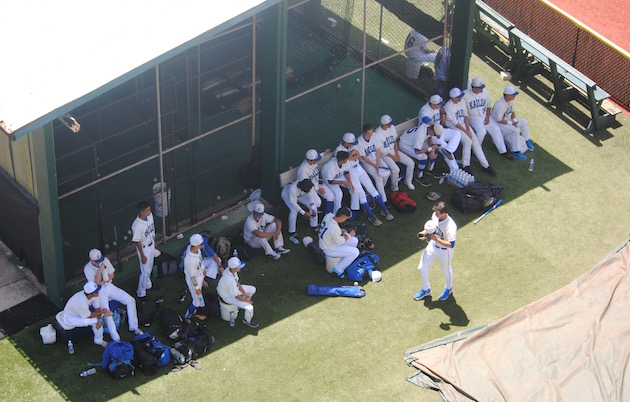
[(143, 231), (90, 271), (369, 148), (252, 224), (441, 65), (332, 171), (455, 113), (387, 138), (446, 229), (415, 137), (295, 193), (194, 269), (227, 288), (477, 104), (79, 305), (427, 114), (330, 233), (502, 109), (415, 38), (351, 163), (308, 171)]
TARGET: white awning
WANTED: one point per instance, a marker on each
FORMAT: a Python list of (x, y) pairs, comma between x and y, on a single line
[(56, 56)]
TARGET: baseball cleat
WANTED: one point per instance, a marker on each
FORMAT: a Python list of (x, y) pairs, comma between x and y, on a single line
[(437, 175), (339, 274), (388, 215), (445, 294), (138, 331), (433, 196), (274, 256), (424, 182), (490, 171), (447, 154), (519, 155), (507, 155), (282, 250), (410, 186), (467, 170), (252, 323), (530, 146), (422, 294), (374, 220)]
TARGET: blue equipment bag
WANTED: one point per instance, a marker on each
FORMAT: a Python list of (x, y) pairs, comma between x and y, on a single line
[(117, 359), (149, 353), (345, 291), (362, 266)]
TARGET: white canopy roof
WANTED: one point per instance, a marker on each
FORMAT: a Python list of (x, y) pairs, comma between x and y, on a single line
[(59, 55)]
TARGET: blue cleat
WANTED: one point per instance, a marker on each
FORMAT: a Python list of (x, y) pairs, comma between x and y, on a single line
[(447, 292), (422, 294), (530, 146), (339, 274), (519, 155)]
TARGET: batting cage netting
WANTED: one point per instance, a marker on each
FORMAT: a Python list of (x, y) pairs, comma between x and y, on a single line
[(346, 65)]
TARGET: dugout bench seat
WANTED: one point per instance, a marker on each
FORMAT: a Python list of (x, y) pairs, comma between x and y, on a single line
[(492, 27)]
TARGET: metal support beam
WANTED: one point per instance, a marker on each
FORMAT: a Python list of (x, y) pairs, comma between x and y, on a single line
[(273, 91), (461, 43), (49, 220)]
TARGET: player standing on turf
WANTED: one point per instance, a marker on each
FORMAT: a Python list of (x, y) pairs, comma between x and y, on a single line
[(143, 234), (442, 231)]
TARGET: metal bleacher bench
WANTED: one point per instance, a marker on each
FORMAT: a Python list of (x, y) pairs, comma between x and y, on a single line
[(530, 58), (291, 174)]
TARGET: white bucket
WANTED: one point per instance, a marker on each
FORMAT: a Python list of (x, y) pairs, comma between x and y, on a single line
[(48, 333)]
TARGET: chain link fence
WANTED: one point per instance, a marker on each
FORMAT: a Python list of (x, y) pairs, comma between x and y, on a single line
[(346, 65)]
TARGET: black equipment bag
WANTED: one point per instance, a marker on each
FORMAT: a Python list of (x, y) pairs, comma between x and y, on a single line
[(477, 196), (147, 311), (318, 255), (171, 323), (166, 265), (212, 305), (195, 342)]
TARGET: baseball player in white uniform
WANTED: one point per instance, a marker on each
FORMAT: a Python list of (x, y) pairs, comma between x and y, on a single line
[(456, 116), (232, 292), (511, 125), (194, 272), (443, 233), (479, 106), (83, 310), (336, 173), (370, 152), (417, 52), (386, 132), (361, 182), (301, 192), (414, 142), (143, 234), (260, 228), (101, 271), (431, 112), (337, 242), (309, 169)]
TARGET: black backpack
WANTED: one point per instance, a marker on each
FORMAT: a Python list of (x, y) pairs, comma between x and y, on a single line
[(171, 323), (477, 196), (221, 246), (166, 265), (149, 353), (212, 305), (195, 341), (147, 311), (318, 255)]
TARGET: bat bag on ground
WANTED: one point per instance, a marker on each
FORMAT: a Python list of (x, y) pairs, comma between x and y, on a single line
[(477, 196), (403, 203), (147, 311), (344, 291), (195, 341), (171, 324), (362, 266), (117, 359), (149, 353)]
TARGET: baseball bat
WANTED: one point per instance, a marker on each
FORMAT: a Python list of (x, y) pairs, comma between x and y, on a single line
[(496, 204)]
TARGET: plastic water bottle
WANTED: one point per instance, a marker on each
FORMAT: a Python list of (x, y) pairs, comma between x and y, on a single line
[(531, 165), (88, 372), (70, 347), (235, 253), (178, 356), (232, 318)]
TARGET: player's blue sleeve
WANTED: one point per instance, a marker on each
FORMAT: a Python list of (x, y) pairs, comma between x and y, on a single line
[(453, 244), (207, 250), (426, 119)]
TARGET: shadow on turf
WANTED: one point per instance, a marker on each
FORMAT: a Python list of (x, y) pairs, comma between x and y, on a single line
[(450, 307)]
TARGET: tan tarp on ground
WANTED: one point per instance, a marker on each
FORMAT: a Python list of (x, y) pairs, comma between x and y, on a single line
[(573, 345)]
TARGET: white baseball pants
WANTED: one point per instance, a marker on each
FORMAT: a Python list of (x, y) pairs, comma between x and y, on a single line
[(393, 167), (444, 255), (112, 292), (348, 252), (144, 281), (259, 242), (480, 129), (379, 181), (76, 321), (467, 144), (248, 308)]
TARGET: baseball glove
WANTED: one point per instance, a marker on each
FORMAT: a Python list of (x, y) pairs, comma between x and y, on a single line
[(433, 196)]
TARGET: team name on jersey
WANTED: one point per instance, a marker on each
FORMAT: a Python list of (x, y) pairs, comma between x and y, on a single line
[(315, 174), (150, 229), (460, 114), (389, 140), (370, 149), (477, 103), (508, 112)]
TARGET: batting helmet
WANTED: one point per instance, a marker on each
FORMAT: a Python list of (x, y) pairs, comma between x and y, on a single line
[(430, 226)]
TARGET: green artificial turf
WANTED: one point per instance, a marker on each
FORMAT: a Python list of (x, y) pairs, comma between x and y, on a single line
[(555, 224)]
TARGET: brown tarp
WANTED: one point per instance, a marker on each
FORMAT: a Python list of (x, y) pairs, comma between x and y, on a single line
[(572, 345)]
